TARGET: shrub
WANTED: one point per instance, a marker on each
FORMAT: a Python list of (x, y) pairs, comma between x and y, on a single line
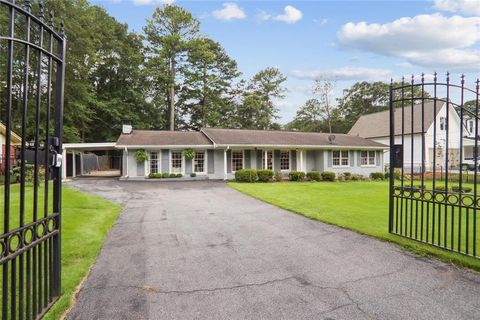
[(165, 175), (440, 188), (396, 174), (246, 175), (347, 175), (357, 177), (278, 176), (265, 175), (155, 175), (193, 174), (377, 176), (463, 189), (296, 175), (172, 175), (314, 176), (179, 175), (328, 176), (141, 155)]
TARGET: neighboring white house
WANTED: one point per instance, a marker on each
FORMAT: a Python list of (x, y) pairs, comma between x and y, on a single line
[(221, 152), (433, 128)]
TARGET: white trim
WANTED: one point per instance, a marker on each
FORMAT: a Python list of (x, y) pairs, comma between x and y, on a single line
[(264, 158), (170, 167), (161, 146), (225, 169), (289, 160), (340, 159), (231, 158), (368, 157), (253, 146), (205, 163)]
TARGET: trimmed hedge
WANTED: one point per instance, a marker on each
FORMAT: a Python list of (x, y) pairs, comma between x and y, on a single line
[(164, 175), (328, 176), (314, 176), (296, 175), (265, 175), (278, 176), (377, 176), (193, 174), (246, 175)]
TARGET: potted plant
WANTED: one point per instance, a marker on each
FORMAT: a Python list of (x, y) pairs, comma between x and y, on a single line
[(189, 154), (141, 155)]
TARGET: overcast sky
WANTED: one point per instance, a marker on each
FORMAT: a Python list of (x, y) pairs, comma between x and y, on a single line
[(346, 41)]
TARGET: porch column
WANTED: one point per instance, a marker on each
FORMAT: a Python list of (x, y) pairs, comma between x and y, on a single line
[(225, 164), (265, 162), (81, 163), (74, 169), (301, 161), (64, 163)]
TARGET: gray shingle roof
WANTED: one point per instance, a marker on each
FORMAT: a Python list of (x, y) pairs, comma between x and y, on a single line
[(377, 124), (234, 137), (165, 138), (237, 137)]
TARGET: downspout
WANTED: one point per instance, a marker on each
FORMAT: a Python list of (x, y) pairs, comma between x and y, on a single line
[(225, 162), (126, 152)]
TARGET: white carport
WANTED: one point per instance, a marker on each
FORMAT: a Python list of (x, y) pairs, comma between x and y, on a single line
[(81, 149)]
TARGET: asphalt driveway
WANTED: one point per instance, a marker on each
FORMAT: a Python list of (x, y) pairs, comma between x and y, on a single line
[(200, 250)]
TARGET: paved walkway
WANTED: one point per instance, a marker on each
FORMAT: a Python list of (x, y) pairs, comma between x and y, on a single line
[(200, 250)]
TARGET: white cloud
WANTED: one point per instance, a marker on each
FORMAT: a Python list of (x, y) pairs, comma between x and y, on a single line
[(467, 7), (424, 40), (321, 22), (229, 12), (151, 2), (263, 16), (345, 73), (290, 15)]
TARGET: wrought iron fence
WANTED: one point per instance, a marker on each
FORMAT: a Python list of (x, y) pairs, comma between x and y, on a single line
[(435, 203), (32, 71)]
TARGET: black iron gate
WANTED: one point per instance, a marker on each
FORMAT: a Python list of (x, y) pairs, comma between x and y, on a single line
[(32, 68), (434, 163)]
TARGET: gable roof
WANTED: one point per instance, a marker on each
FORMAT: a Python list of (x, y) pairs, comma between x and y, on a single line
[(14, 138), (243, 137), (377, 124), (212, 137), (163, 138)]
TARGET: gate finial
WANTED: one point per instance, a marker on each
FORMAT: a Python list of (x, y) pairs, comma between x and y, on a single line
[(435, 76), (62, 28), (41, 13), (50, 19), (413, 79), (448, 77), (423, 77), (28, 5), (463, 79)]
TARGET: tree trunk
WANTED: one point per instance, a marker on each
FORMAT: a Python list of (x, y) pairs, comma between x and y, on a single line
[(172, 95)]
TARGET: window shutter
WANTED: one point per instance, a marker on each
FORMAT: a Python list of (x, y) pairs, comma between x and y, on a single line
[(329, 160), (293, 160), (351, 155), (211, 161), (246, 160), (276, 160), (359, 158), (229, 161), (259, 159), (379, 155)]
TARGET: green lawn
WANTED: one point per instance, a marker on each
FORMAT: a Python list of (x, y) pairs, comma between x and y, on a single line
[(359, 206), (85, 222)]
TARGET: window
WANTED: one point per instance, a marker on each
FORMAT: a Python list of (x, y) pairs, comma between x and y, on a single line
[(267, 162), (199, 162), (176, 161), (153, 162), (443, 123), (340, 158), (368, 158), (284, 160), (237, 160)]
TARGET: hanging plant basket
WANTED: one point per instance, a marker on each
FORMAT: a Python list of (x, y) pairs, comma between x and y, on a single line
[(141, 155), (189, 154)]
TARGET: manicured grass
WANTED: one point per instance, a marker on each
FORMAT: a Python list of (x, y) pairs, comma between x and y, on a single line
[(359, 206), (86, 220)]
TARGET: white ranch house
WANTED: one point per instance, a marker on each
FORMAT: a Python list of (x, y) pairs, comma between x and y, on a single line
[(221, 152), (376, 127)]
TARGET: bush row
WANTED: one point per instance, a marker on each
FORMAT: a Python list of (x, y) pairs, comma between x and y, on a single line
[(164, 175), (252, 175)]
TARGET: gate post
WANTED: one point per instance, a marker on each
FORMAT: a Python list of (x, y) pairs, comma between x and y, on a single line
[(57, 184), (392, 157)]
